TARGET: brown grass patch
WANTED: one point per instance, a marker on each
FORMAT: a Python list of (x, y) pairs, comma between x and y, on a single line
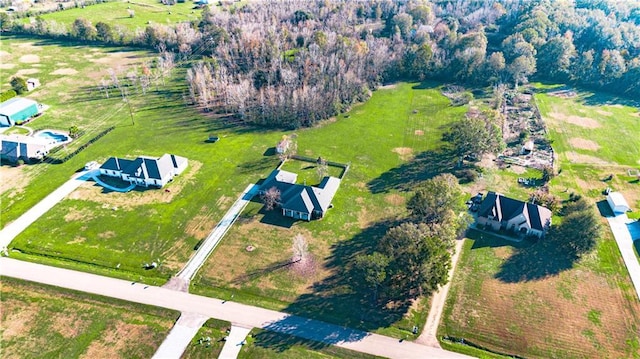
[(107, 234), (67, 325), (201, 225), (550, 316), (604, 113), (503, 252), (19, 176), (65, 71), (118, 337), (394, 199), (23, 72), (75, 214), (585, 122), (17, 318), (7, 66), (405, 153), (4, 54), (29, 59), (586, 159), (418, 132), (93, 192), (584, 144), (388, 87), (77, 240), (517, 169)]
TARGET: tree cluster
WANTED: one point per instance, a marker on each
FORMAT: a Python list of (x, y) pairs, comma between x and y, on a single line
[(414, 257), (478, 133), (291, 63)]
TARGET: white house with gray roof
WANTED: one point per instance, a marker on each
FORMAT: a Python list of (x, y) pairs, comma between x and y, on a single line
[(301, 201), (145, 171)]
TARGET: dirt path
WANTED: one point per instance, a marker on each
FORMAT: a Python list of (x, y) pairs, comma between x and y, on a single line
[(428, 336)]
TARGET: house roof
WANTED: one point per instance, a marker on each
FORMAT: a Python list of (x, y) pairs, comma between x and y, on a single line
[(116, 164), (145, 167), (15, 105), (504, 209), (301, 198)]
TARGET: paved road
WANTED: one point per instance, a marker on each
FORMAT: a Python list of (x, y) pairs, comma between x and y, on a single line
[(239, 314), (428, 336), (625, 244), (212, 240), (180, 336), (13, 229), (235, 341)]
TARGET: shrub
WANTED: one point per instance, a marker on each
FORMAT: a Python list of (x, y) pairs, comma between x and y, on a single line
[(8, 95)]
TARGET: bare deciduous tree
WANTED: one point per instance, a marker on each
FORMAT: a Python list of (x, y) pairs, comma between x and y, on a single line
[(271, 198)]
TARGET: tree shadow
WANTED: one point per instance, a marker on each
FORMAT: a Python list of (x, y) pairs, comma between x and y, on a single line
[(421, 168), (257, 166), (262, 271), (341, 298), (279, 336), (591, 96), (534, 262)]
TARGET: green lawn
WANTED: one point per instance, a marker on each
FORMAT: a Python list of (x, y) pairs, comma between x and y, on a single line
[(524, 299), (116, 13), (116, 234), (406, 123), (200, 347), (609, 128), (46, 322)]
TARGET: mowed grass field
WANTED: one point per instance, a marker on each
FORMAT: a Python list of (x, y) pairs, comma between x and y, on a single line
[(387, 159), (45, 322), (392, 143), (96, 230), (116, 13), (514, 298)]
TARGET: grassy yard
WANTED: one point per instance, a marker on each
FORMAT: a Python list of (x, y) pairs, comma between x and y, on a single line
[(264, 344), (116, 13), (406, 122), (45, 322), (199, 347), (116, 234), (520, 298)]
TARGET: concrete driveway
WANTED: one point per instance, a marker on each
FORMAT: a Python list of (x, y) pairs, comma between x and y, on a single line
[(13, 229), (619, 227)]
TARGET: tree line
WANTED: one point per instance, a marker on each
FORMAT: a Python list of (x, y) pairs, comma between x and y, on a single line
[(292, 63)]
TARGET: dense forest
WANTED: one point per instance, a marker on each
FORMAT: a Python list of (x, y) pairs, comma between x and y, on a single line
[(293, 63)]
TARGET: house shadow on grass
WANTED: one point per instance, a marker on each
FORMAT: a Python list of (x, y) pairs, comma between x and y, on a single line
[(604, 209), (275, 218), (341, 299), (421, 168)]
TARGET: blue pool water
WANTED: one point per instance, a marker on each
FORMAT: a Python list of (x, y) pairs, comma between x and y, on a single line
[(52, 137)]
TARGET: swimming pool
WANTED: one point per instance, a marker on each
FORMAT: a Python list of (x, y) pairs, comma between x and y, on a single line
[(52, 137)]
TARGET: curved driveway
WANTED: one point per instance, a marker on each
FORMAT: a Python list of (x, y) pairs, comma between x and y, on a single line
[(240, 314)]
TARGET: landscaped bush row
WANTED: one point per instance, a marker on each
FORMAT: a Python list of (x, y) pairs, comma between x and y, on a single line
[(8, 95), (81, 148)]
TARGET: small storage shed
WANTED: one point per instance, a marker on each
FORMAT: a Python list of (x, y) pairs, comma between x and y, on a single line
[(617, 203), (17, 110)]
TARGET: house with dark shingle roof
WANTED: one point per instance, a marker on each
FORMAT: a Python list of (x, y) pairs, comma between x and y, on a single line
[(500, 212), (145, 171), (301, 201)]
